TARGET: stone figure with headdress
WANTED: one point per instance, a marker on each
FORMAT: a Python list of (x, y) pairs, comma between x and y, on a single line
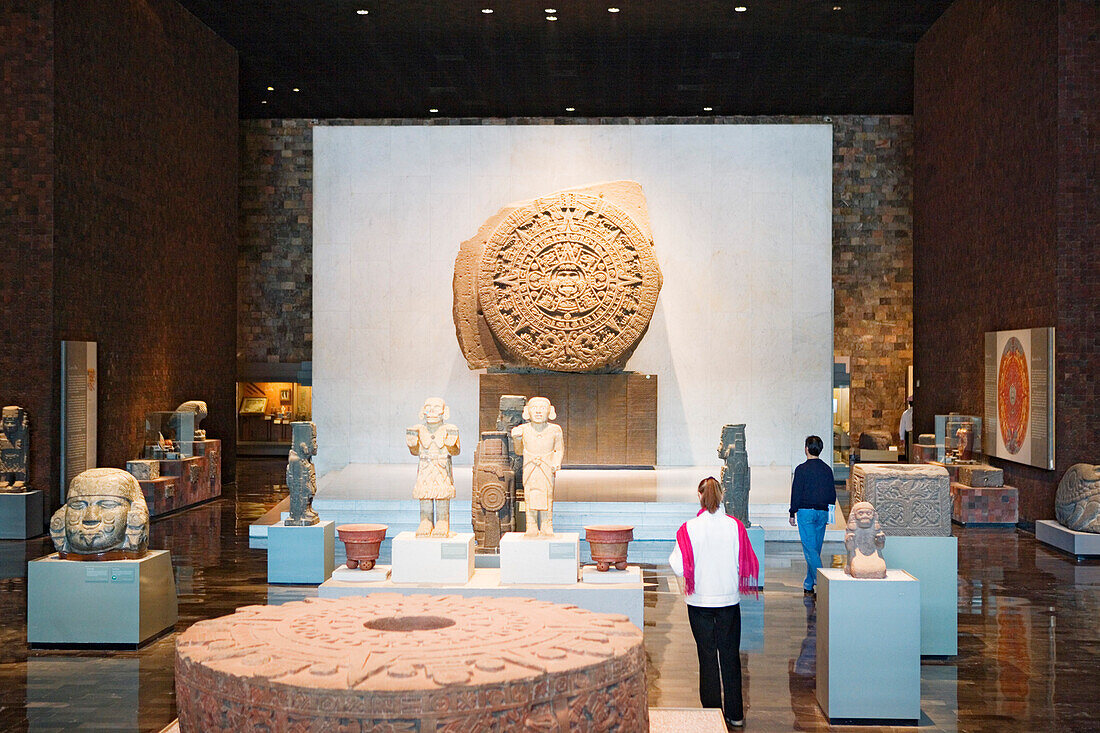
[(104, 518), (15, 443), (434, 441), (542, 446)]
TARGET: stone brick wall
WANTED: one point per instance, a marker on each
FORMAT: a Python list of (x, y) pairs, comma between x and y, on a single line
[(27, 363), (872, 244), (1006, 212)]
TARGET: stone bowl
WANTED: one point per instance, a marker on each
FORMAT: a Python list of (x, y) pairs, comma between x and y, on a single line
[(362, 543), (608, 543)]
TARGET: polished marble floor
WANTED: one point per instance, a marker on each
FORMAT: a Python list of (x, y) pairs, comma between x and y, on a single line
[(1029, 633)]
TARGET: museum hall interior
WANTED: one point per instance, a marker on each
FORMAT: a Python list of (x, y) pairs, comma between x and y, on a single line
[(410, 366)]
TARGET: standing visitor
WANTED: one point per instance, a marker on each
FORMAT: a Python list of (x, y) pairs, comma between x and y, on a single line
[(718, 565), (812, 491), (905, 426)]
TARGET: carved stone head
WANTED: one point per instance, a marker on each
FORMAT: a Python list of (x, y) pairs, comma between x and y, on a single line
[(304, 437), (539, 410), (14, 420), (434, 411), (104, 517), (1077, 501), (196, 406), (862, 516)]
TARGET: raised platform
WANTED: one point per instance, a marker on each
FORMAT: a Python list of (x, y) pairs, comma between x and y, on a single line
[(977, 505), (1081, 544)]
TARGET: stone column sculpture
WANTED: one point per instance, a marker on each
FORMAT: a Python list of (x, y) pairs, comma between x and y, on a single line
[(434, 441), (199, 408), (542, 446), (735, 472), (104, 518), (301, 478), (15, 443), (864, 540), (494, 492)]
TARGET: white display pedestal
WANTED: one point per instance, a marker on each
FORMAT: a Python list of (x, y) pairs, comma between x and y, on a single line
[(632, 574), (100, 603), (1081, 544), (527, 560), (432, 559), (934, 561), (620, 598), (868, 646), (756, 539), (301, 555), (21, 515), (374, 575)]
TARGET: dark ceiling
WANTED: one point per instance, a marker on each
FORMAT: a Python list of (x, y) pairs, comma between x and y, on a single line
[(653, 57)]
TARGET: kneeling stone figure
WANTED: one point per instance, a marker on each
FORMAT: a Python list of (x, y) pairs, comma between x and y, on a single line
[(864, 540)]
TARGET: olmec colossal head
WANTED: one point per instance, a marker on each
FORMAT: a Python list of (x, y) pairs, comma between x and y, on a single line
[(104, 517)]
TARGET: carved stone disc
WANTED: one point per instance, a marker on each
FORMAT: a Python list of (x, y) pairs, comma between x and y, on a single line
[(568, 283)]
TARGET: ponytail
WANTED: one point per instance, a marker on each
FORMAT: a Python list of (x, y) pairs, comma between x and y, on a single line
[(710, 494)]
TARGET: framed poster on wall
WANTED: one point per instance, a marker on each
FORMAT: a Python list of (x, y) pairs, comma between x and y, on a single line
[(1019, 396)]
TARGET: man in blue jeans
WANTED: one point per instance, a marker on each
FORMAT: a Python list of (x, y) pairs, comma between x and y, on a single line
[(812, 491)]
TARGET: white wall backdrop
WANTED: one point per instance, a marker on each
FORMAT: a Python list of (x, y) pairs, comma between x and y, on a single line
[(742, 226)]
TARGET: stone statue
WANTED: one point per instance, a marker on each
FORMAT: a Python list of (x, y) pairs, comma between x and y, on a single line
[(510, 415), (199, 408), (435, 441), (300, 475), (864, 540), (735, 472), (15, 443), (104, 518), (494, 492), (1077, 501), (542, 446)]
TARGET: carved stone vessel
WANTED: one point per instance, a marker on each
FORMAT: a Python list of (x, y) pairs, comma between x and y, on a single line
[(1077, 501), (15, 445), (362, 543), (104, 518), (608, 543), (911, 499), (864, 540), (735, 472), (392, 662)]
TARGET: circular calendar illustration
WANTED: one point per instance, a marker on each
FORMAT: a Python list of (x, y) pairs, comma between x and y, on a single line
[(1013, 395)]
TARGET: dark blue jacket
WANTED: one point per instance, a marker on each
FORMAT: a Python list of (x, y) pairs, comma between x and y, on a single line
[(812, 487)]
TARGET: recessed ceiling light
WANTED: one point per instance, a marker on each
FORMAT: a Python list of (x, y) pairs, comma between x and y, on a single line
[(837, 7), (264, 101), (551, 18), (271, 89), (708, 109), (361, 12), (433, 110), (487, 11), (740, 9), (612, 10), (550, 11), (570, 109)]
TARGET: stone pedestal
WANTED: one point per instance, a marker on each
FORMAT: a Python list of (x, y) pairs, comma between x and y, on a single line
[(1081, 544), (868, 646), (934, 561), (106, 603), (539, 559), (432, 559), (374, 575), (756, 539), (301, 555), (21, 515), (986, 505)]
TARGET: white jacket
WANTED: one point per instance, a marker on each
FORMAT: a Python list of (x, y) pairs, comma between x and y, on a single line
[(714, 543)]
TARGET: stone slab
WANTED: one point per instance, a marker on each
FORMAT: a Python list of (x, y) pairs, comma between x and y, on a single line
[(868, 646), (1082, 544), (911, 499), (105, 603), (301, 555), (439, 560), (934, 561), (985, 505), (622, 598), (686, 720), (22, 515), (592, 576), (980, 474), (539, 559), (374, 575)]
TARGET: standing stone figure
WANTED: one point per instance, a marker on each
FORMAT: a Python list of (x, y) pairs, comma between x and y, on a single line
[(199, 408), (864, 540), (735, 472), (542, 446), (104, 518), (1077, 501), (435, 441), (510, 414), (15, 443), (301, 477)]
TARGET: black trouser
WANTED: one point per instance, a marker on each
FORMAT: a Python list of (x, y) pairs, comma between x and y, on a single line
[(717, 633)]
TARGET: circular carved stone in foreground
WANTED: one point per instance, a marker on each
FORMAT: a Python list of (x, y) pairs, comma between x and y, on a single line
[(390, 662), (568, 283)]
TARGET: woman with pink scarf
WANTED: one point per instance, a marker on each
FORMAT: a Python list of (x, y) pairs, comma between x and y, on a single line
[(718, 564)]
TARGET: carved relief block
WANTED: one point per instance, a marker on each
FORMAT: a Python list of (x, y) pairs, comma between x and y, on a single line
[(144, 470), (911, 500), (565, 282), (980, 475)]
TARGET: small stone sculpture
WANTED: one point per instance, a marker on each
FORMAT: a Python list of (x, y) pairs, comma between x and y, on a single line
[(542, 446), (301, 477), (15, 445), (864, 540), (1077, 501), (874, 440), (199, 408), (144, 469), (608, 544), (735, 472), (494, 492), (434, 441), (104, 518)]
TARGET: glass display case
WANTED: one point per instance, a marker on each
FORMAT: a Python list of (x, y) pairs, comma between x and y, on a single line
[(842, 441), (265, 411), (958, 438), (169, 435)]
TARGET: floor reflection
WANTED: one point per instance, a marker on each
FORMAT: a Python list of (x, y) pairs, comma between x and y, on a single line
[(1027, 625)]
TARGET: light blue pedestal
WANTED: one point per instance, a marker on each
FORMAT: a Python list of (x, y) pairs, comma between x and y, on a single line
[(756, 539), (934, 561), (21, 515), (301, 555), (868, 646)]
